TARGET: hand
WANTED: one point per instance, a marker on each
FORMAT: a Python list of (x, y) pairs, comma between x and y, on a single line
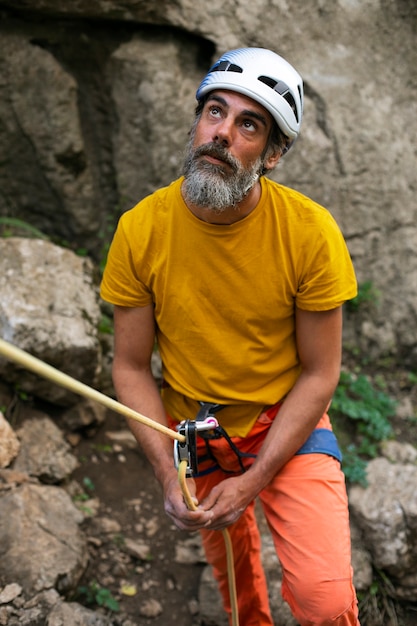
[(176, 508), (226, 503)]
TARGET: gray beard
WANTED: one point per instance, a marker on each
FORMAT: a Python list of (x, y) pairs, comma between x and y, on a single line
[(213, 186)]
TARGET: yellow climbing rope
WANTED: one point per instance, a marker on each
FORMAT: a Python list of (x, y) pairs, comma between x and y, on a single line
[(192, 505), (27, 361)]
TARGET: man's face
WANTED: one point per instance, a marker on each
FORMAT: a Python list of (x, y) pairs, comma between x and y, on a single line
[(226, 150)]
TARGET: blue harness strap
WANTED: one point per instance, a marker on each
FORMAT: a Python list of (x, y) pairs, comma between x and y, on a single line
[(322, 441)]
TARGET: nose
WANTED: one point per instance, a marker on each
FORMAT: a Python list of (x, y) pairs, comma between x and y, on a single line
[(222, 134)]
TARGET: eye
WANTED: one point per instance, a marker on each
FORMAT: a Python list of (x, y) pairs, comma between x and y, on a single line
[(214, 111), (249, 125)]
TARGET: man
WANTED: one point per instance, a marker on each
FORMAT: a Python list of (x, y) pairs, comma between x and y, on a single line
[(242, 281)]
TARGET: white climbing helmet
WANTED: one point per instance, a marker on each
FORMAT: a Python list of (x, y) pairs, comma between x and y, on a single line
[(265, 77)]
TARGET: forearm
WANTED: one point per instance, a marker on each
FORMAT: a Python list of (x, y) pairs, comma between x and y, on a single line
[(135, 387), (138, 390), (318, 338), (297, 418)]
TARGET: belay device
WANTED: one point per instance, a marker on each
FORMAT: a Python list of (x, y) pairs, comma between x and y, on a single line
[(207, 424), (187, 449)]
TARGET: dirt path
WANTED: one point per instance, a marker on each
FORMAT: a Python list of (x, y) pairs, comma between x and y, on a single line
[(163, 590)]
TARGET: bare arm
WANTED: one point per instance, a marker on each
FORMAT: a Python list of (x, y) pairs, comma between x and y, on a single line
[(135, 387), (319, 348)]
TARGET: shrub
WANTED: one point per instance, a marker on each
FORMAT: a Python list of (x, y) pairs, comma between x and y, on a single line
[(361, 405)]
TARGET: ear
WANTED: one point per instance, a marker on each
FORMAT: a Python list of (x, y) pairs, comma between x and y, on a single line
[(272, 159)]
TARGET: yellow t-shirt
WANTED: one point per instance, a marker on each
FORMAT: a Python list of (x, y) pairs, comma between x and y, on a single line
[(224, 296)]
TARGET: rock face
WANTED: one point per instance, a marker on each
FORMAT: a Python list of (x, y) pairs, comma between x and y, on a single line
[(9, 443), (48, 307), (43, 550), (387, 514), (45, 524), (96, 100), (43, 452)]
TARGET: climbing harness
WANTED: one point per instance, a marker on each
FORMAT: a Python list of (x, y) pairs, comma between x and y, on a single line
[(322, 441), (208, 428), (184, 439)]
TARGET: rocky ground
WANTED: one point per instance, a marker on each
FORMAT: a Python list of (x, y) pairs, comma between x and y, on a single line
[(137, 556)]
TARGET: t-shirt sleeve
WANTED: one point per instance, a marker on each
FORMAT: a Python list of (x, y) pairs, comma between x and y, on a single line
[(121, 284), (328, 278)]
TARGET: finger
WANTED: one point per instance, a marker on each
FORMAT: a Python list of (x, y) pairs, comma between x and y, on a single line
[(185, 519), (210, 500)]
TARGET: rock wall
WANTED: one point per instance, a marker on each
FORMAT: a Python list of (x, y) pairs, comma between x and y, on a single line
[(96, 101), (49, 307)]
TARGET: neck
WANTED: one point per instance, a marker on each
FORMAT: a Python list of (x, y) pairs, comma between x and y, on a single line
[(229, 215)]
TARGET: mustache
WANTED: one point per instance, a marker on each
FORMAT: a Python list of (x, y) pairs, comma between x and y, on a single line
[(217, 152)]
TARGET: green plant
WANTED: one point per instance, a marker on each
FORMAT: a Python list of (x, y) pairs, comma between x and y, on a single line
[(102, 447), (368, 408), (10, 226), (412, 378), (81, 252), (376, 604), (82, 496), (119, 540), (86, 510), (367, 294), (21, 394), (106, 325), (88, 483), (93, 594)]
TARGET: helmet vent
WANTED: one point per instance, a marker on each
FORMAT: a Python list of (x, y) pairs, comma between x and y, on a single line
[(226, 66), (282, 88)]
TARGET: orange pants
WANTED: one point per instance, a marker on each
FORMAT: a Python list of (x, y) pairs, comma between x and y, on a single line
[(306, 509)]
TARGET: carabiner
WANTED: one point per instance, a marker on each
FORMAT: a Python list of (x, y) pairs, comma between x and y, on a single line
[(187, 449)]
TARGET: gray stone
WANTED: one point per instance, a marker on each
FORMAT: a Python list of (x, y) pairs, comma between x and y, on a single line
[(190, 550), (83, 415), (9, 442), (397, 452), (73, 614), (44, 453), (43, 143), (386, 512), (10, 592), (138, 549), (150, 608), (49, 308), (45, 527)]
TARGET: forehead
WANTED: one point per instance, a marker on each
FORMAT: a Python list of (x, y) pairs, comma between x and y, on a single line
[(239, 102)]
